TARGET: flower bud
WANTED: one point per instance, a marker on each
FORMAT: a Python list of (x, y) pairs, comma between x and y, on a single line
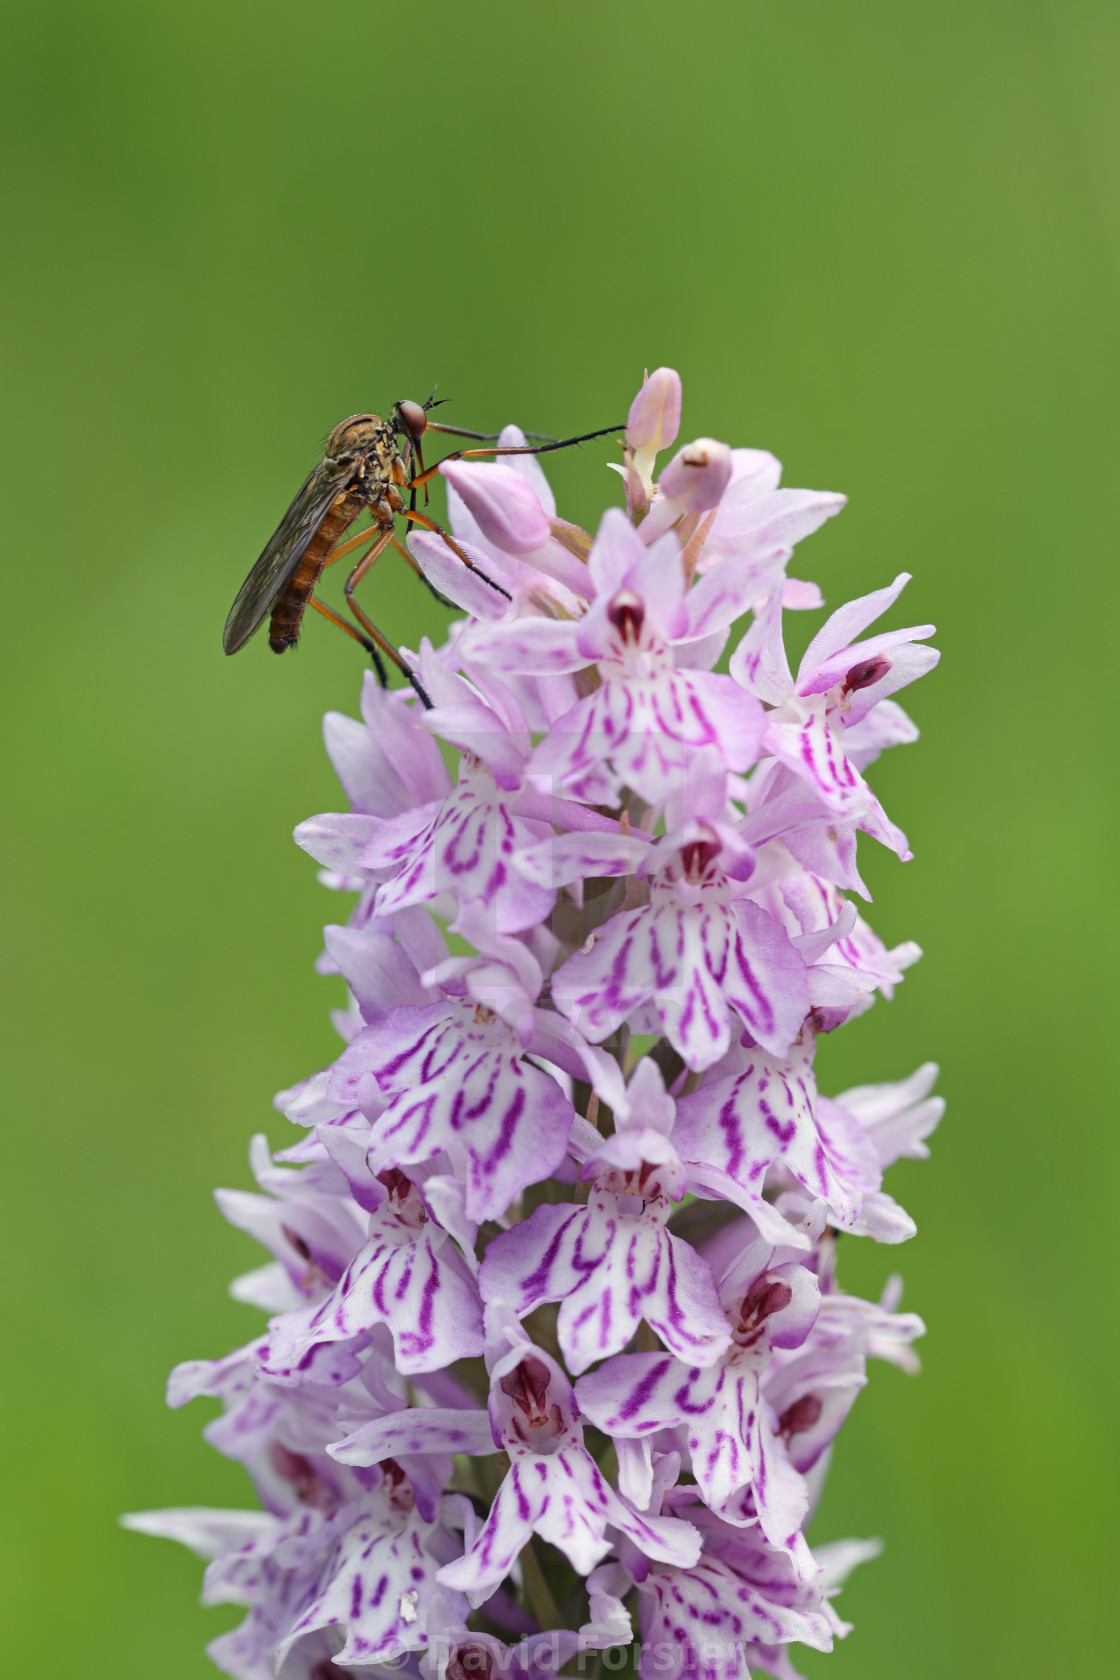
[(503, 505), (697, 476), (655, 413)]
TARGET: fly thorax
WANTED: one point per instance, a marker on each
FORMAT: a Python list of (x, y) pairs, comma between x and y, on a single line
[(352, 436)]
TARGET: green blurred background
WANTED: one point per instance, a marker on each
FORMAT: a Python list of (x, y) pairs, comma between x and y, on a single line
[(881, 240)]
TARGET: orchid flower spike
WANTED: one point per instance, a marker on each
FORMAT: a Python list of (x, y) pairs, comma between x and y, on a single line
[(550, 1289)]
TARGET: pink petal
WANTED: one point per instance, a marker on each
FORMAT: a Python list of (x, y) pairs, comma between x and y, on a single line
[(537, 646), (420, 1429), (834, 669), (749, 523), (655, 413), (473, 591), (457, 1084), (415, 1282), (616, 552), (764, 1114), (759, 662), (336, 839), (383, 762), (504, 506), (697, 476), (847, 622)]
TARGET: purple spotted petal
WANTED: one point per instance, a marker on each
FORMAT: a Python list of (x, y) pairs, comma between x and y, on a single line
[(739, 1463), (696, 961), (387, 763), (567, 1501), (610, 1269), (457, 1082), (647, 729), (467, 848), (763, 1115), (577, 857), (695, 1623), (408, 1276), (275, 1577), (812, 749), (375, 1588), (420, 1429)]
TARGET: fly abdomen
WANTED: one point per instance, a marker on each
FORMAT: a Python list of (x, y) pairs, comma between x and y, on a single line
[(287, 614)]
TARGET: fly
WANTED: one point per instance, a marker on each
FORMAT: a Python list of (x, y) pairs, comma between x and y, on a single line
[(369, 463)]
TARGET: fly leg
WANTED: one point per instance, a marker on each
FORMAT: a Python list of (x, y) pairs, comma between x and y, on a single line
[(428, 585), (329, 612), (378, 538), (344, 548), (367, 624), (427, 524), (370, 533)]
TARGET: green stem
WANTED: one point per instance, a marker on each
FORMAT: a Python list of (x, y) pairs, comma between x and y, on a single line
[(540, 1596)]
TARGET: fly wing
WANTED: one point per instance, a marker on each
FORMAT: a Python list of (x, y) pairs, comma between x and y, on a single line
[(284, 551)]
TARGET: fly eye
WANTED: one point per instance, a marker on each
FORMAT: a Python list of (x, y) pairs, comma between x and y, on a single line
[(414, 419)]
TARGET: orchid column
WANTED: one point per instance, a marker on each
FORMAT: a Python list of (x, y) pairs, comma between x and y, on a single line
[(555, 1348)]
